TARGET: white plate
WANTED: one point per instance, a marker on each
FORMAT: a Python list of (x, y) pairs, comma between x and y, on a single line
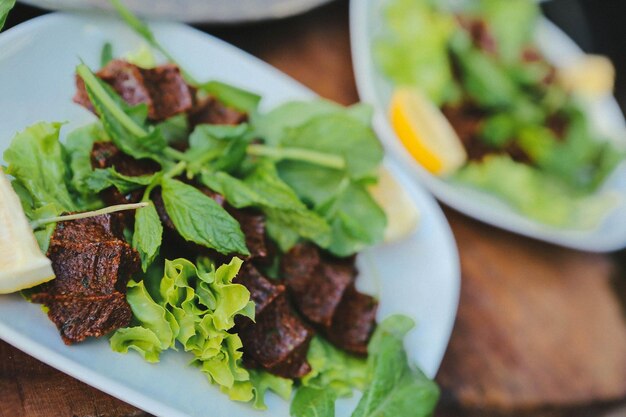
[(198, 11), (374, 88), (419, 276)]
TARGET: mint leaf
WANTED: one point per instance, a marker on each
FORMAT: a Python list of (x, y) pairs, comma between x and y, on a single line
[(396, 389), (106, 55), (148, 235), (37, 160), (313, 402), (198, 218), (232, 96), (101, 179), (218, 147)]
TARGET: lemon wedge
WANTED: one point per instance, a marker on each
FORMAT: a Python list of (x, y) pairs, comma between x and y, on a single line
[(22, 265), (590, 75), (403, 216), (425, 132)]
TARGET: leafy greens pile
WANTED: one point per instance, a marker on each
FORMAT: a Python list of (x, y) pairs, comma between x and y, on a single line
[(495, 66)]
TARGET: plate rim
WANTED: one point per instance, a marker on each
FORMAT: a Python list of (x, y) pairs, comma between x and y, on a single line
[(134, 396)]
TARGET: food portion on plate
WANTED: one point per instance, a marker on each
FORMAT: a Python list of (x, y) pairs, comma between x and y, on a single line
[(186, 219), (476, 102)]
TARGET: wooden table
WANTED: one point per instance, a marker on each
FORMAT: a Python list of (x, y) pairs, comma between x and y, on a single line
[(540, 329)]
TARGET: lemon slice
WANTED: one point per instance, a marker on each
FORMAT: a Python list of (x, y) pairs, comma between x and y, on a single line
[(403, 216), (22, 265), (425, 132), (590, 75)]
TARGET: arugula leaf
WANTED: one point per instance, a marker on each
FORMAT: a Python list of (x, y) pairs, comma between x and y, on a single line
[(198, 218), (106, 55), (148, 235), (232, 96), (5, 8), (313, 402), (101, 179), (342, 135), (274, 125), (122, 122), (218, 147), (396, 389), (78, 145), (37, 160)]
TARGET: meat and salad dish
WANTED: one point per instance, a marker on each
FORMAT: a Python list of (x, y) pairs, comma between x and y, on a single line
[(184, 218)]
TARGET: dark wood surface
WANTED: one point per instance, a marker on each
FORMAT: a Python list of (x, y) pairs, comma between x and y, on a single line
[(540, 329)]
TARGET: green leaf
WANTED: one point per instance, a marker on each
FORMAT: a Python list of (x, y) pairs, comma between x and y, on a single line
[(342, 135), (150, 314), (232, 96), (138, 338), (175, 129), (106, 55), (335, 369), (37, 160), (263, 381), (313, 402), (536, 194), (148, 235), (395, 389), (144, 31), (218, 147), (101, 179), (273, 126), (286, 226), (198, 218), (123, 123), (5, 8), (78, 145)]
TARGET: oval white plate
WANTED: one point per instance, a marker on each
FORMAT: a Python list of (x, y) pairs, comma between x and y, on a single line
[(419, 276), (198, 11), (374, 88)]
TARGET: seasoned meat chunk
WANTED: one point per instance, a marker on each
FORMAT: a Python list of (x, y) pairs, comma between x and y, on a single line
[(211, 111), (316, 282), (353, 322), (92, 265), (278, 341), (262, 291), (79, 317), (162, 88)]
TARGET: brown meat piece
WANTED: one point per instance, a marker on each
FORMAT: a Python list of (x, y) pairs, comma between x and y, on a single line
[(316, 282), (467, 121), (92, 265), (79, 317), (278, 340), (353, 322), (480, 34), (162, 88), (106, 155), (253, 227), (262, 290), (211, 111)]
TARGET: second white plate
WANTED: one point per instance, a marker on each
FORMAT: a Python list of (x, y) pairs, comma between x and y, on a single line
[(374, 88)]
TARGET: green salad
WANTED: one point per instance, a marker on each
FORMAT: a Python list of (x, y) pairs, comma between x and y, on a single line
[(222, 204), (527, 137)]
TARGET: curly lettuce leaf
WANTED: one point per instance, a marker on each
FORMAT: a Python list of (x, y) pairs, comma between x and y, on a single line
[(539, 196), (196, 308), (263, 381)]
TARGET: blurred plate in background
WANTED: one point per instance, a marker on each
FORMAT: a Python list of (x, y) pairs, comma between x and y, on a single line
[(196, 11)]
